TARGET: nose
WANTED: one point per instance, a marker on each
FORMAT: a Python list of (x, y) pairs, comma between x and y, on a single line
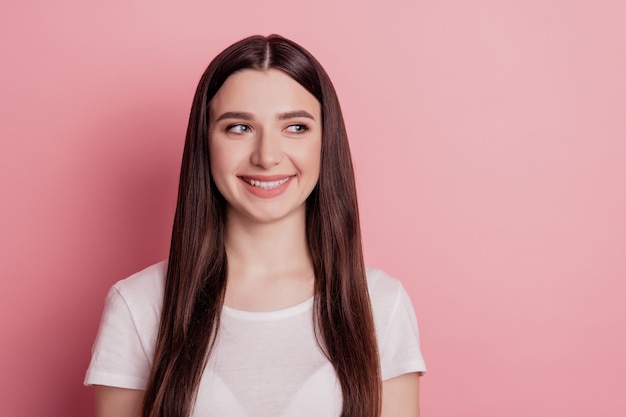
[(267, 150)]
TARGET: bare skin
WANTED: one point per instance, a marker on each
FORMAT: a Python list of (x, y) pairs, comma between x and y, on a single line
[(265, 125), (118, 402), (401, 396), (269, 266)]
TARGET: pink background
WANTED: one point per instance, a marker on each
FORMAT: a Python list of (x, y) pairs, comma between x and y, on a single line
[(490, 144)]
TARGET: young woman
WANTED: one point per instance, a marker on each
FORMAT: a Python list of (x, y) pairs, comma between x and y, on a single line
[(264, 307)]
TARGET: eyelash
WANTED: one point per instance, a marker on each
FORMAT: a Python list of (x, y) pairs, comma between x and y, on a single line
[(230, 128), (302, 128)]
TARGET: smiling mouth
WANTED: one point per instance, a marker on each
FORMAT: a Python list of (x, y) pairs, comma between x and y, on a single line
[(266, 185)]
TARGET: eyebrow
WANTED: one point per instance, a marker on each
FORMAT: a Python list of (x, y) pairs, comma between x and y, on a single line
[(295, 114), (281, 116), (235, 115)]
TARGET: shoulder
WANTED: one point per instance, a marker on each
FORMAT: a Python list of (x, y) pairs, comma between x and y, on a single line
[(396, 325), (385, 290), (140, 298), (145, 286), (141, 294), (387, 295), (124, 346)]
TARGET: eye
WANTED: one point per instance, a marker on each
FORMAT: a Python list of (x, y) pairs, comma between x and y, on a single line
[(296, 128), (238, 129)]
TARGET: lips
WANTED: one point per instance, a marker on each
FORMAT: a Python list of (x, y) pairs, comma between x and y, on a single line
[(266, 184)]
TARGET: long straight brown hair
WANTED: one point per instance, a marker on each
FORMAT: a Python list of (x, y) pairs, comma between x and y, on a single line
[(196, 275)]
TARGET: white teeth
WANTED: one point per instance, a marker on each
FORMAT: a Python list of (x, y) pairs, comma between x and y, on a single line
[(266, 185)]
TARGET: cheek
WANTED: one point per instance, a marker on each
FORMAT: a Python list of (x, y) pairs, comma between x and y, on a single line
[(315, 154), (221, 155), (311, 159), (219, 162)]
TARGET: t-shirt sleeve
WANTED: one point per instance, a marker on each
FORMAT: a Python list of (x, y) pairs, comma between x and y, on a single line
[(400, 351), (118, 357)]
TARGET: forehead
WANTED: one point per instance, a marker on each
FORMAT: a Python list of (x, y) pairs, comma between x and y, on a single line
[(263, 92)]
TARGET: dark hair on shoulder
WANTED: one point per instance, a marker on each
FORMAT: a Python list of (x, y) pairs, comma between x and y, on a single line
[(196, 275)]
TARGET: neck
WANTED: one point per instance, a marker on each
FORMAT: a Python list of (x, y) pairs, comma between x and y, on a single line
[(269, 265), (259, 250)]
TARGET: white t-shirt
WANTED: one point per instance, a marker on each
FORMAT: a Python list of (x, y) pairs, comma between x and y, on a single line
[(263, 363)]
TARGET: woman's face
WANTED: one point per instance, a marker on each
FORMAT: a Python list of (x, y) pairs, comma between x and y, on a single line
[(265, 141)]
